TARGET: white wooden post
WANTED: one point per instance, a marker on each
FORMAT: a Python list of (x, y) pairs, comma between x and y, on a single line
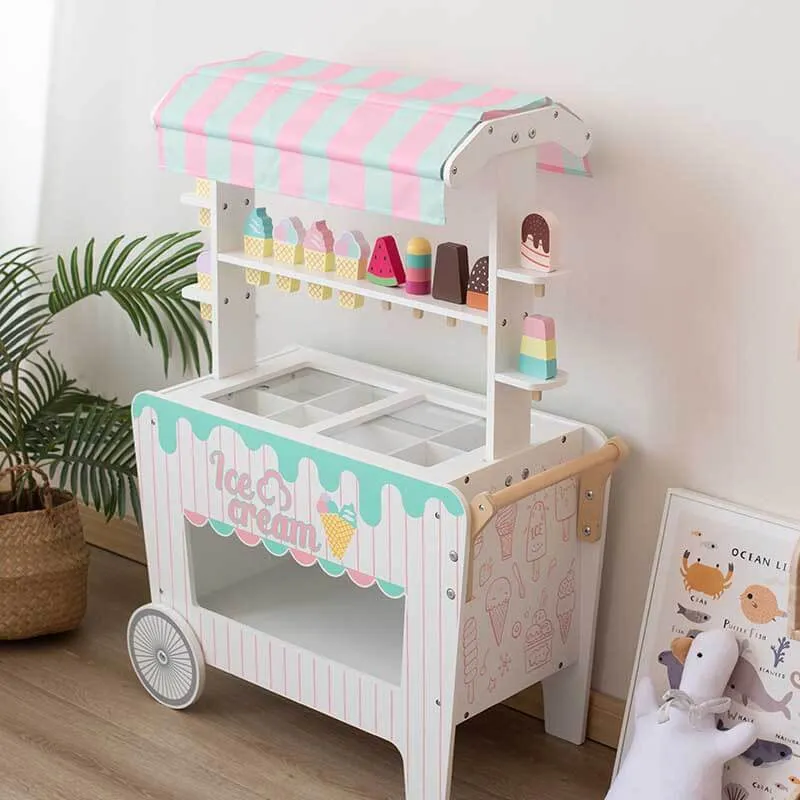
[(509, 408), (233, 328)]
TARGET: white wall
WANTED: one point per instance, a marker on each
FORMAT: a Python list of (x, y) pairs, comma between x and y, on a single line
[(680, 324), (25, 49)]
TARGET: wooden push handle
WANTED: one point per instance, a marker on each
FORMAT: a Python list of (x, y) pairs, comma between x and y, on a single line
[(594, 469)]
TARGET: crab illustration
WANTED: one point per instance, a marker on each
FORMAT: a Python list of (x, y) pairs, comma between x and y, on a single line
[(705, 579)]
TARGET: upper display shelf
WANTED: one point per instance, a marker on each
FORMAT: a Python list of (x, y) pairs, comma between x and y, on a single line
[(352, 136)]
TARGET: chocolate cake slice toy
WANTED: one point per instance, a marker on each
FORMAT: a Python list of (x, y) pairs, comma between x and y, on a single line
[(539, 245)]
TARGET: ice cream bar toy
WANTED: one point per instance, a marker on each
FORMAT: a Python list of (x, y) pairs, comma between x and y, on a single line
[(378, 546), (537, 352)]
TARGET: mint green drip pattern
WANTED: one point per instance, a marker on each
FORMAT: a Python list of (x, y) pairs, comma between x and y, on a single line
[(331, 568), (289, 452)]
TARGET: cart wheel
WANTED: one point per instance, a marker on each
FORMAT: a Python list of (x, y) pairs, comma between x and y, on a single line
[(166, 656)]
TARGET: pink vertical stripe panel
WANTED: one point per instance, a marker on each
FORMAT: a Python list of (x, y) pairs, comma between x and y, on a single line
[(433, 88), (347, 184)]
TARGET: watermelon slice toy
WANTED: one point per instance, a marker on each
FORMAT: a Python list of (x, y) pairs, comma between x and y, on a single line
[(386, 266)]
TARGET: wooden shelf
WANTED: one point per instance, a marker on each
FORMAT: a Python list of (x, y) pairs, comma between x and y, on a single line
[(194, 292), (191, 199), (519, 380), (530, 276), (364, 288)]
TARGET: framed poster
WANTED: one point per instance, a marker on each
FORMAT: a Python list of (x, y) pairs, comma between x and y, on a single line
[(721, 565)]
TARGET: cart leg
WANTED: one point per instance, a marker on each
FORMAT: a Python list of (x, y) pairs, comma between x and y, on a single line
[(566, 693), (428, 773)]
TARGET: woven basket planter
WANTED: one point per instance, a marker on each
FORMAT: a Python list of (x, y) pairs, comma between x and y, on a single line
[(44, 563)]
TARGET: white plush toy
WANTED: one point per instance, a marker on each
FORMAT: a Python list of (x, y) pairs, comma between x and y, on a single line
[(676, 752)]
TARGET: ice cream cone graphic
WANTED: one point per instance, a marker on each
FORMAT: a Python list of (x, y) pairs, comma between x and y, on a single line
[(565, 606), (504, 524), (497, 600), (339, 524)]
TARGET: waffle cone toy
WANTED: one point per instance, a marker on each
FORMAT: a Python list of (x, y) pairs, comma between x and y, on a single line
[(318, 247), (351, 252), (340, 525)]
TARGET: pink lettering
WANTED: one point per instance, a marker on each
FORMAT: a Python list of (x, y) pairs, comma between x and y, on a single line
[(231, 477), (219, 457), (280, 529), (240, 513), (267, 494), (243, 487), (263, 519), (305, 536)]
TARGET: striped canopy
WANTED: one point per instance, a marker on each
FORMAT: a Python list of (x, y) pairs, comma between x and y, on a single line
[(352, 136)]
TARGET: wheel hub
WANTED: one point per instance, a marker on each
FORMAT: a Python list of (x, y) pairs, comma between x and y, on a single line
[(162, 657)]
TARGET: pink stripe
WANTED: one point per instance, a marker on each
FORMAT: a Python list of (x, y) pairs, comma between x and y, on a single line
[(360, 129), (347, 184), (551, 157), (494, 97), (197, 116), (380, 79), (406, 195), (297, 126), (435, 87)]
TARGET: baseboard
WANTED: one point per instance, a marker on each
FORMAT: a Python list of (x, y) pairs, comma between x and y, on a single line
[(605, 713), (123, 537), (120, 536)]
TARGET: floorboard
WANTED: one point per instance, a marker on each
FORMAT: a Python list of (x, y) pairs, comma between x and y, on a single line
[(74, 722)]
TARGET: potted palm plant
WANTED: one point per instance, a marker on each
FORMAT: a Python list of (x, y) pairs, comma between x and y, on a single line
[(60, 442)]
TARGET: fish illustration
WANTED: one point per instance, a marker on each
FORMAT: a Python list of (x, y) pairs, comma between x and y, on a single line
[(674, 668), (760, 605), (697, 617), (763, 751), (745, 684)]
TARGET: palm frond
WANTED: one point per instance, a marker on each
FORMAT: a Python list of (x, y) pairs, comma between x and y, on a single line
[(23, 309), (145, 279), (97, 461)]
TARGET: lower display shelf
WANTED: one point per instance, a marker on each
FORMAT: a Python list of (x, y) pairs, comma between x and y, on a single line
[(358, 627), (519, 380)]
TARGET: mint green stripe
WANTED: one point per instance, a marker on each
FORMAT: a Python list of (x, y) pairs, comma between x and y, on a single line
[(431, 201), (219, 121), (174, 149), (378, 190), (262, 60), (218, 159), (392, 590), (355, 75)]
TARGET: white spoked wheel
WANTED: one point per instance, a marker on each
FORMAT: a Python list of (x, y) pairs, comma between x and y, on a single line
[(166, 656)]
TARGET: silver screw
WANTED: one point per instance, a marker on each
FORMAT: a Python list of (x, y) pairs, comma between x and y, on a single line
[(438, 701), (588, 494), (481, 507), (515, 137), (555, 115), (490, 129), (532, 133), (587, 531), (508, 480), (504, 323), (525, 473), (454, 170), (451, 593), (226, 301), (453, 555), (247, 296), (588, 136)]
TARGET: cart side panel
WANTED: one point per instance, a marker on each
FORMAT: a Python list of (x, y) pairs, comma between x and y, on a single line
[(345, 518), (522, 624)]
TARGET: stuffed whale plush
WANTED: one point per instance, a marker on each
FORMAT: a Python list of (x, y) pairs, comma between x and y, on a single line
[(677, 752)]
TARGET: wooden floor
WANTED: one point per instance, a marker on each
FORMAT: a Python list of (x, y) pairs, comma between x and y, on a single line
[(74, 723)]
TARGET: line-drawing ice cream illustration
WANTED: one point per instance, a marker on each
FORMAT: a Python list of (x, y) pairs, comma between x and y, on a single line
[(469, 638), (539, 638), (566, 602), (519, 581), (497, 600), (536, 542), (504, 523)]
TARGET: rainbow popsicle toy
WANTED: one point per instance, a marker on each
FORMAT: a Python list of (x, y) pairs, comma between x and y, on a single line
[(537, 352)]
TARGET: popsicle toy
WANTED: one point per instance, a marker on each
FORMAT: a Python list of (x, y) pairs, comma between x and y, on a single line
[(351, 252), (418, 266), (539, 241), (386, 266), (478, 286), (451, 275), (288, 246), (318, 247), (537, 352)]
